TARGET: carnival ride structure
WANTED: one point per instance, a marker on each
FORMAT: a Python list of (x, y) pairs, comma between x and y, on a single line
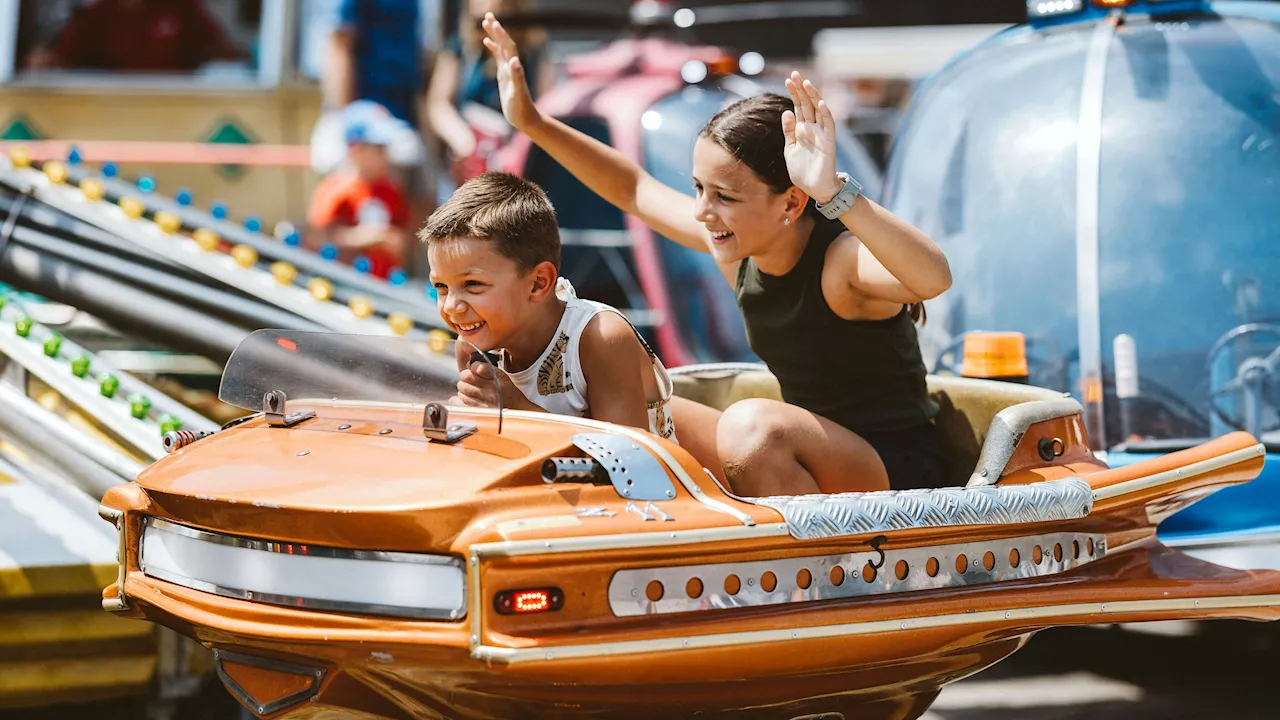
[(1117, 179), (361, 547), (174, 284)]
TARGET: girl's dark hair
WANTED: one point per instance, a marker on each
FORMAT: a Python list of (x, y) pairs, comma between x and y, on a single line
[(751, 131)]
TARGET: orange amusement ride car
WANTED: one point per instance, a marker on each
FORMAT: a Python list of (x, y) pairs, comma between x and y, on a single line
[(360, 548)]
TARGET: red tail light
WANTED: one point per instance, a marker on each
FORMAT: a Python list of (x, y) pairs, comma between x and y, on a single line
[(534, 600)]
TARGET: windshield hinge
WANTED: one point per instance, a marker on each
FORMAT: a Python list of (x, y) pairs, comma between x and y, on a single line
[(436, 427), (273, 407)]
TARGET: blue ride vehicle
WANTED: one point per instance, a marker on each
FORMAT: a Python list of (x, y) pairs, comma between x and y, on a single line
[(1106, 180)]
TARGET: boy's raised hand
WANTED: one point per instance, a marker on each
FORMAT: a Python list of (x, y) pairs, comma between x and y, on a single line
[(810, 149), (513, 89)]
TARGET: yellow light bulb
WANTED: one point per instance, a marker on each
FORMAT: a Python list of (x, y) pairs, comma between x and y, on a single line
[(56, 172), (244, 255), (361, 307), (207, 239), (400, 323), (438, 341), (20, 157), (283, 272), (320, 288), (93, 189), (133, 207), (168, 222)]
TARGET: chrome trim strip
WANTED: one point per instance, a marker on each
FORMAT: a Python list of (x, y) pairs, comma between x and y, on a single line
[(1006, 431), (1018, 615), (289, 548), (307, 551), (1182, 473), (1088, 169), (587, 543), (1058, 552), (117, 518)]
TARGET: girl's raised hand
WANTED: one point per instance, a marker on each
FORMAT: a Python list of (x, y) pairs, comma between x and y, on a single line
[(810, 141), (513, 89)]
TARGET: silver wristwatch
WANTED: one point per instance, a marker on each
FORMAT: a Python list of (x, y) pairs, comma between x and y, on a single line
[(843, 200)]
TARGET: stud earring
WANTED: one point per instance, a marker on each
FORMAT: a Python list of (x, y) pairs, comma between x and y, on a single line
[(786, 221)]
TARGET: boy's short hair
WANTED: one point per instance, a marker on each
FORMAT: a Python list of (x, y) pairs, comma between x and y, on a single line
[(509, 211)]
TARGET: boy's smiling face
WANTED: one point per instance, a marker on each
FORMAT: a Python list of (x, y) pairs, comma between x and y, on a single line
[(483, 296)]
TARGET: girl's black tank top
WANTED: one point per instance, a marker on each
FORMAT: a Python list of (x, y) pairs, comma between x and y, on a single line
[(866, 375)]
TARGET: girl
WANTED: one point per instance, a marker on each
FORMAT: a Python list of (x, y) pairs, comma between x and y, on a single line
[(830, 285)]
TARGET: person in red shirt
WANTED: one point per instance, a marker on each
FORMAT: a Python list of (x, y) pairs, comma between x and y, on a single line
[(138, 36), (360, 209)]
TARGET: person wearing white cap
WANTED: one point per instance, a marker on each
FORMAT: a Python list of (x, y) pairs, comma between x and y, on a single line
[(360, 209)]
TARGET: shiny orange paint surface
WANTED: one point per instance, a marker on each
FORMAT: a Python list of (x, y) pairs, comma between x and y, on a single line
[(877, 656)]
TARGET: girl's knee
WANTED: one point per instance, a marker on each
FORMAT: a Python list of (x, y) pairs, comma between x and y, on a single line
[(749, 427)]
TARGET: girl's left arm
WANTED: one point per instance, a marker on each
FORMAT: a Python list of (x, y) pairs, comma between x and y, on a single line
[(888, 259)]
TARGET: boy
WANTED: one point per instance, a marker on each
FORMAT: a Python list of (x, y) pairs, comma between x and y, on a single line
[(361, 209), (494, 250)]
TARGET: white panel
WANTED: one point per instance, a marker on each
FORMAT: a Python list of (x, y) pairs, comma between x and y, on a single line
[(423, 586)]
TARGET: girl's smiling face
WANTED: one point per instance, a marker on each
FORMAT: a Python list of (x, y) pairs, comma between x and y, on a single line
[(482, 295), (744, 217)]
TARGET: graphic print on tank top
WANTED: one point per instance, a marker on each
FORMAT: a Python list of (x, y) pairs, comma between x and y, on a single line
[(551, 374), (555, 381)]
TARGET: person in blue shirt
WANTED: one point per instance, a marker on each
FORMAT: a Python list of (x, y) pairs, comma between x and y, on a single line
[(376, 53)]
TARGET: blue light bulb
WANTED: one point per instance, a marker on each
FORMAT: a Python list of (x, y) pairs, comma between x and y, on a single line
[(329, 251), (183, 197), (218, 211), (293, 239), (253, 223), (147, 184), (397, 277), (73, 156), (109, 170), (362, 264)]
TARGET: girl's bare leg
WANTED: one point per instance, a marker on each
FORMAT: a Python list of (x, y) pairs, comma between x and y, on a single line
[(772, 448), (696, 430)]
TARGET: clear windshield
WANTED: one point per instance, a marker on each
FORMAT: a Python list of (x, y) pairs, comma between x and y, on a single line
[(1189, 170), (354, 368), (1189, 251)]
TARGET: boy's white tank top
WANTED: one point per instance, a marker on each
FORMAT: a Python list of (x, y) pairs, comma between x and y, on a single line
[(555, 381)]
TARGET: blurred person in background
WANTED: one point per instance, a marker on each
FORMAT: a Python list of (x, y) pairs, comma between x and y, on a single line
[(378, 51), (137, 36), (361, 209), (463, 107)]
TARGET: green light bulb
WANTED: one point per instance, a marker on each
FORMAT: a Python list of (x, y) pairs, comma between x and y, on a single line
[(80, 366), (53, 344), (109, 385), (23, 325), (139, 405), (169, 423)]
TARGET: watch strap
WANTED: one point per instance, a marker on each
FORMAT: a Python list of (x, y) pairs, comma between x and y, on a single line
[(843, 201)]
